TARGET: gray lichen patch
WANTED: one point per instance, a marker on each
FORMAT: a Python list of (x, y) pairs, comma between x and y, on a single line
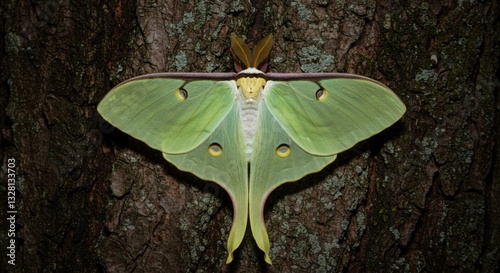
[(314, 60), (180, 61), (303, 12)]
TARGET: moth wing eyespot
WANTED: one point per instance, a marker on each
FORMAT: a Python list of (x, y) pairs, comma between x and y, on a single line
[(215, 149), (181, 94), (321, 94), (283, 150)]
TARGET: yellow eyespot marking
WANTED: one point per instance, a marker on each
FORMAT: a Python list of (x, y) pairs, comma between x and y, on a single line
[(321, 94), (181, 94), (283, 150), (215, 150)]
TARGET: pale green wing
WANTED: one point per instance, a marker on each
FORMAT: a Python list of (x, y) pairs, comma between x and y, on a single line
[(228, 169), (155, 111), (270, 166), (195, 123), (316, 119), (328, 116)]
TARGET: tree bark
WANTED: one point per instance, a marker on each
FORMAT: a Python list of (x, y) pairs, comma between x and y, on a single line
[(422, 196)]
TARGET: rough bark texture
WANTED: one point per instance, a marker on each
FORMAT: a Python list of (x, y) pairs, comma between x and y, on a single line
[(423, 196)]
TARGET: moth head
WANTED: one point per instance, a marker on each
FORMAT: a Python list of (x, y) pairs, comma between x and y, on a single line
[(256, 59), (251, 87)]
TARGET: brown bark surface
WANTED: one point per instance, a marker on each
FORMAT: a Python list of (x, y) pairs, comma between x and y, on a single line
[(422, 196)]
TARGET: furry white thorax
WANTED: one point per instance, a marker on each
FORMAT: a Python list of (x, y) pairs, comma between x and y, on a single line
[(249, 114)]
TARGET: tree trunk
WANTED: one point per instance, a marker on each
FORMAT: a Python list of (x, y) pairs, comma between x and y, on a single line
[(422, 196)]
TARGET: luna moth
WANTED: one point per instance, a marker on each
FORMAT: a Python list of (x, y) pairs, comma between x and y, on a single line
[(251, 131)]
